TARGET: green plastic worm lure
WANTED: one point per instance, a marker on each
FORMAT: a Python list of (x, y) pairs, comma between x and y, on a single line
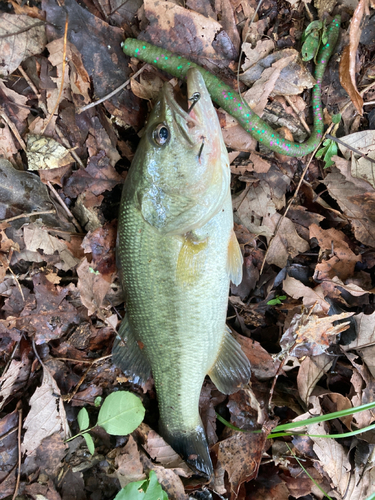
[(231, 102)]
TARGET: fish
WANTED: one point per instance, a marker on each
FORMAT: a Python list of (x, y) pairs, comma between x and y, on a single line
[(177, 253)]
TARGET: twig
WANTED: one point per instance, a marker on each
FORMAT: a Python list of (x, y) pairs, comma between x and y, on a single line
[(62, 76), (45, 111), (19, 409), (70, 396), (333, 138), (298, 113), (13, 128), (24, 216), (27, 28), (111, 94), (63, 205), (291, 201)]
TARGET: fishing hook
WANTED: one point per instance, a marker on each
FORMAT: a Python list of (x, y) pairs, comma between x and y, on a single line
[(195, 98)]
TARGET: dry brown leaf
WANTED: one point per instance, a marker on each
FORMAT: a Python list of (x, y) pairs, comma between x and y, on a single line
[(294, 77), (240, 456), (311, 371), (147, 88), (129, 466), (257, 96), (296, 289), (38, 238), (360, 168), (253, 55), (169, 480), (46, 153), (189, 32), (333, 458), (18, 47), (8, 379), (46, 415), (92, 286), (286, 243), (348, 59), (342, 260), (356, 201)]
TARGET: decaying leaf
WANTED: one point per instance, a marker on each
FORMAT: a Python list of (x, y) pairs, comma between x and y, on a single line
[(46, 415), (293, 78), (21, 38), (310, 334), (45, 153)]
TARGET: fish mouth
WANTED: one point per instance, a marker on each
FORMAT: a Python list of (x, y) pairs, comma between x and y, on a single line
[(195, 117)]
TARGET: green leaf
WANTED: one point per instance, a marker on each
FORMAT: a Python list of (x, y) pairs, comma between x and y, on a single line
[(154, 490), (83, 419), (148, 489), (121, 413), (132, 491), (89, 442), (336, 118)]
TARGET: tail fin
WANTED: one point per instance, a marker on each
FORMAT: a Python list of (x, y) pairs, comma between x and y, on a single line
[(192, 447)]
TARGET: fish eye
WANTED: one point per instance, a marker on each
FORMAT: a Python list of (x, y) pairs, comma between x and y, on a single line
[(161, 134)]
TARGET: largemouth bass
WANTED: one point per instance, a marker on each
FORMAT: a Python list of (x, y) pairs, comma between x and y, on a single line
[(177, 253)]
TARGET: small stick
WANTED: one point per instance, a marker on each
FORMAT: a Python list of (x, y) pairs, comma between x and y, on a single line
[(19, 409), (111, 94), (63, 205)]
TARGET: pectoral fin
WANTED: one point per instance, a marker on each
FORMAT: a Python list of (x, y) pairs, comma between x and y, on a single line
[(127, 355), (234, 260), (191, 260), (232, 368)]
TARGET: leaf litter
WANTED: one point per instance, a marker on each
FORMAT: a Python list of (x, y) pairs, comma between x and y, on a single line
[(304, 313)]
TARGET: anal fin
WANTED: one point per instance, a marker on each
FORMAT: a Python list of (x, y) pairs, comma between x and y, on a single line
[(127, 354), (234, 260), (231, 370)]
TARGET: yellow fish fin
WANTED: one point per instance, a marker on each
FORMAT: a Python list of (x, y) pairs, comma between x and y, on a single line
[(234, 260), (191, 260), (128, 356), (231, 369)]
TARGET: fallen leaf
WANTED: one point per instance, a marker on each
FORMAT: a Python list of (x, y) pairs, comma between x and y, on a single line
[(253, 55), (46, 415), (39, 239), (294, 77), (348, 59), (310, 372), (188, 33), (23, 193), (48, 315), (46, 153), (129, 466), (21, 37), (92, 286), (8, 379), (356, 202), (286, 243), (332, 457), (341, 261)]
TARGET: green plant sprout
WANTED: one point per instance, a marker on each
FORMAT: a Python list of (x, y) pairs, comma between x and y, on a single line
[(121, 413), (146, 489), (277, 300), (329, 148)]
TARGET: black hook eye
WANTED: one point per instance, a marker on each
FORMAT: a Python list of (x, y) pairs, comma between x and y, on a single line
[(194, 98), (161, 134)]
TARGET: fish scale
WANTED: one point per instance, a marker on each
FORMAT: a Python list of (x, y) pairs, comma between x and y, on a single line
[(177, 252)]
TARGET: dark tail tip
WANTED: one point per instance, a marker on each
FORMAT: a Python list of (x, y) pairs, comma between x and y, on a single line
[(192, 447)]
